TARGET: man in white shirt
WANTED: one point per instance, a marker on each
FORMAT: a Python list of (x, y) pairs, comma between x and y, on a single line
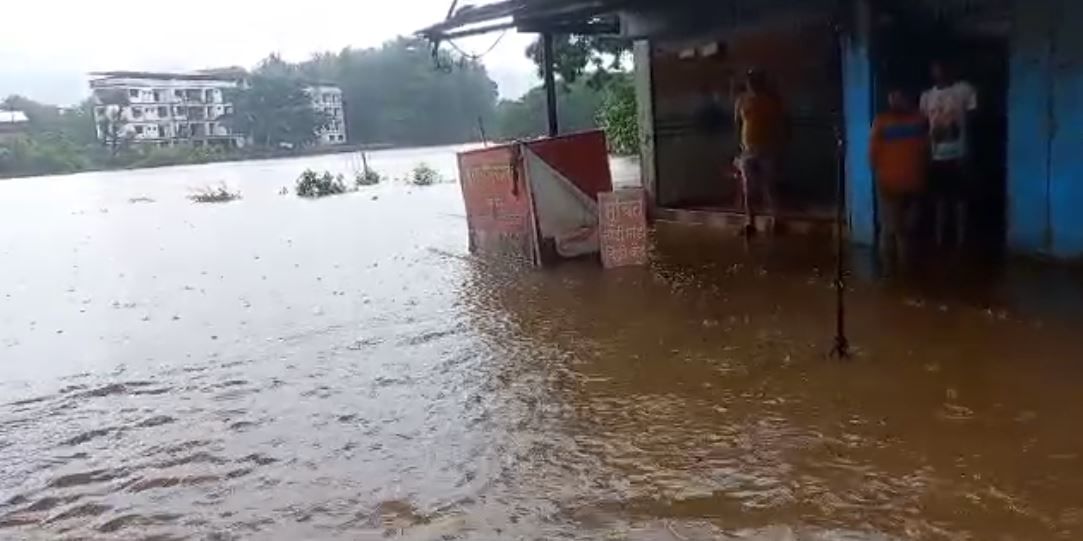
[(949, 106)]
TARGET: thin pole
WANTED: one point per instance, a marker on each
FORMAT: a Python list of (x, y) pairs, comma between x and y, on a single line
[(841, 348), (481, 128), (550, 84)]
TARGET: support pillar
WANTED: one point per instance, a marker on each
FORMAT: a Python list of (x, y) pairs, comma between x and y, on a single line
[(550, 84)]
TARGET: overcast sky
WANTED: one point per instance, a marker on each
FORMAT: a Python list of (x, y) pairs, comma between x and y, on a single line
[(48, 46)]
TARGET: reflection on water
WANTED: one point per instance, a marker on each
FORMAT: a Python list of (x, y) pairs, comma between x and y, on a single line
[(344, 369)]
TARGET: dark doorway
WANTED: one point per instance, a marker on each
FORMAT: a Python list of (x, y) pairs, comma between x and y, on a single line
[(907, 45)]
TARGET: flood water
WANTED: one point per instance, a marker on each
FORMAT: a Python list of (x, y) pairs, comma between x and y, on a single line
[(277, 368)]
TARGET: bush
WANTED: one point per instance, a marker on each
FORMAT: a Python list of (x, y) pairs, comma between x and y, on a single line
[(207, 194), (618, 117), (313, 184), (424, 175), (367, 177)]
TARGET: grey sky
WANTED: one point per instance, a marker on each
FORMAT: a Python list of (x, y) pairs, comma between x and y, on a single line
[(48, 46)]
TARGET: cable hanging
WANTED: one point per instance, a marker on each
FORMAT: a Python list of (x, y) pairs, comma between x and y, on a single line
[(477, 57)]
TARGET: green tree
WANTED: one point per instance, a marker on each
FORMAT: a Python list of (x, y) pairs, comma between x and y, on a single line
[(618, 116), (274, 107), (598, 57), (111, 122), (397, 93), (577, 108), (74, 124)]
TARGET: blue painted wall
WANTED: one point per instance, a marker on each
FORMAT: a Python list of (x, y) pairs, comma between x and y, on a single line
[(1066, 171), (857, 89), (1045, 134), (1028, 131)]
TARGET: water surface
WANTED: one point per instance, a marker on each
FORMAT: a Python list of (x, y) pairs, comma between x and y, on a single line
[(277, 368)]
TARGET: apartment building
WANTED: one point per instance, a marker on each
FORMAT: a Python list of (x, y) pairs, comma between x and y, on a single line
[(327, 99), (167, 108)]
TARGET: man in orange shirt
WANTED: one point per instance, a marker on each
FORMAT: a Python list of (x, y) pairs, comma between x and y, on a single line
[(899, 152), (761, 120)]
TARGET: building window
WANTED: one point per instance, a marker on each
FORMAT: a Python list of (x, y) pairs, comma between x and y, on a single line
[(137, 112), (133, 93), (163, 112), (157, 96), (139, 130), (210, 95), (178, 94)]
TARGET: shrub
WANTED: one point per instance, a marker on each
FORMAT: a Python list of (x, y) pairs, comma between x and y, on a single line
[(368, 177), (424, 175), (220, 194), (313, 184), (618, 117)]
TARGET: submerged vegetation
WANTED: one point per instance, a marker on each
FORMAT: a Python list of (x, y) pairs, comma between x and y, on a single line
[(367, 177), (214, 194), (313, 184), (424, 175)]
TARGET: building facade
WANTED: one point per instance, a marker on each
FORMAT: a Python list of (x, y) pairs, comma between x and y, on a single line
[(13, 124), (327, 99), (191, 108), (165, 108)]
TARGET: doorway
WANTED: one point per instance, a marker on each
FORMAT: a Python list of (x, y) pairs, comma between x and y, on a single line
[(909, 42)]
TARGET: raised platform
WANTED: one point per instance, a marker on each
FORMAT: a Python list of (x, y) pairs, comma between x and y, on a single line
[(810, 222)]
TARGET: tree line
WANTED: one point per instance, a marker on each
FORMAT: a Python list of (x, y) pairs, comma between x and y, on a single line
[(400, 93)]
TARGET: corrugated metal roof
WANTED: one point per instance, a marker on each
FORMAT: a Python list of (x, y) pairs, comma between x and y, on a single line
[(528, 15), (218, 76)]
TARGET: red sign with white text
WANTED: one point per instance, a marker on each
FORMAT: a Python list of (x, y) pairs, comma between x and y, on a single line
[(622, 217), (499, 212)]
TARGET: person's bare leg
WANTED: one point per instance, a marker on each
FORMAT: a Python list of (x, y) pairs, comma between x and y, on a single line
[(941, 220), (960, 223), (905, 235), (770, 199), (744, 168)]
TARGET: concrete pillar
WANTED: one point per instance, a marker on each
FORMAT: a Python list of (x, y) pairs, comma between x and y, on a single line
[(648, 169)]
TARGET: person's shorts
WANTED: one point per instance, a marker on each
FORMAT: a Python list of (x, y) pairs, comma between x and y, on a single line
[(756, 166)]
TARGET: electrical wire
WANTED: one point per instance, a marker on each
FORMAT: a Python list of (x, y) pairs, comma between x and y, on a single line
[(476, 57)]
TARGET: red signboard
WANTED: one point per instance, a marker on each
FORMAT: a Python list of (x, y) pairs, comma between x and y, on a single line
[(622, 216), (499, 212)]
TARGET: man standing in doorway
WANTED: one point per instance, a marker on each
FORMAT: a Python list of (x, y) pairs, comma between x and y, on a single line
[(948, 106), (761, 121), (899, 152)]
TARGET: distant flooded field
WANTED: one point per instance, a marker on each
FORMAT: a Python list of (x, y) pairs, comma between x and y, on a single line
[(342, 368)]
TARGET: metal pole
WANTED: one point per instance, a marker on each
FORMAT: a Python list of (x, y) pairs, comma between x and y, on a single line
[(841, 347), (550, 84)]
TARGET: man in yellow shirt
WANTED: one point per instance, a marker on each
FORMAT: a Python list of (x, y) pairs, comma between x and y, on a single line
[(761, 120)]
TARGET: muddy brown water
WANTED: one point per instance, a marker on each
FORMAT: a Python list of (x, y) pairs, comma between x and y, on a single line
[(274, 368)]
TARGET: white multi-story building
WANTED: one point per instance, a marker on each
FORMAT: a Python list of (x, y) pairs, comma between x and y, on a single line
[(327, 99), (167, 108)]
